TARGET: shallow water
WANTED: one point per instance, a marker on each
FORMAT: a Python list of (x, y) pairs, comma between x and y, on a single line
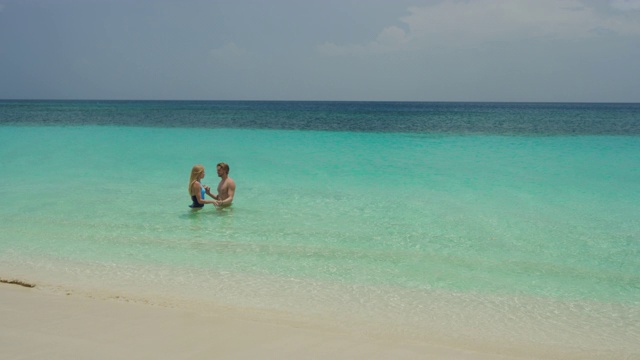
[(531, 230)]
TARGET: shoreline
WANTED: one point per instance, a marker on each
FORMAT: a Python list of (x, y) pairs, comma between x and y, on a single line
[(42, 315), (39, 323)]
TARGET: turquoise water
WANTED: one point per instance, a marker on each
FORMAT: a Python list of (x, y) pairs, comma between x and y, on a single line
[(551, 219)]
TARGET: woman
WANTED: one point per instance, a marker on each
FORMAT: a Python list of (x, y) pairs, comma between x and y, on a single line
[(196, 189)]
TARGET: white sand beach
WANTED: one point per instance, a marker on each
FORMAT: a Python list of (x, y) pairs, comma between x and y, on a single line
[(42, 324)]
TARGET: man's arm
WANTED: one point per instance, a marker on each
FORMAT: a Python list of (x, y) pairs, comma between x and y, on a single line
[(215, 196)]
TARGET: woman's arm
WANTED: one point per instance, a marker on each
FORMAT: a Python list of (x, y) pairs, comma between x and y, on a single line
[(195, 189)]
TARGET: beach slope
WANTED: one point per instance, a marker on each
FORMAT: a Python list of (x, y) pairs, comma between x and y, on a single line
[(40, 324)]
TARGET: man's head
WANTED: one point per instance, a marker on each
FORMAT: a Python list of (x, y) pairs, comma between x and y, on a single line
[(223, 169)]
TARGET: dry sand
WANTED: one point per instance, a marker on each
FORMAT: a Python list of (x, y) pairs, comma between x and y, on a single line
[(41, 324)]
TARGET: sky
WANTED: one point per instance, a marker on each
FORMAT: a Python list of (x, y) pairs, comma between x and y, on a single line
[(345, 50)]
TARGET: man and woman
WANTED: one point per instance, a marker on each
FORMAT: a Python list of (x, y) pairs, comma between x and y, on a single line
[(226, 187)]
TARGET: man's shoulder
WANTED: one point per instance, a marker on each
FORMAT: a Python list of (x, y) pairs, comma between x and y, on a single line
[(227, 182)]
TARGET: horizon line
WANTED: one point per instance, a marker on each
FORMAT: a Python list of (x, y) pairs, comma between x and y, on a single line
[(334, 101)]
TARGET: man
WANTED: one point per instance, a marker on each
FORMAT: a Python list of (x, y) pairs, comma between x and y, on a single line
[(226, 187)]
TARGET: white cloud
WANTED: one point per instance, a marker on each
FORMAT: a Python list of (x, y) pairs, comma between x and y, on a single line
[(482, 20), (456, 23), (625, 5), (390, 39), (490, 20)]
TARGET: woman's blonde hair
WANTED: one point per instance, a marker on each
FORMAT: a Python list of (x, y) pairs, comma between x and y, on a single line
[(196, 172)]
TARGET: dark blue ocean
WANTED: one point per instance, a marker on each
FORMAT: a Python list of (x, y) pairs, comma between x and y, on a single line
[(519, 221), (389, 117)]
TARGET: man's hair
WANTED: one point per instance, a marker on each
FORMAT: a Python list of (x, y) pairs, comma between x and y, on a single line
[(224, 167)]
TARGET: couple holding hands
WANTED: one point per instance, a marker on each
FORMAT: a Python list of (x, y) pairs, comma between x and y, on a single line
[(226, 187)]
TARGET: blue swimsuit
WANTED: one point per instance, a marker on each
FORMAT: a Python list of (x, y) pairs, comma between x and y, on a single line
[(195, 198)]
